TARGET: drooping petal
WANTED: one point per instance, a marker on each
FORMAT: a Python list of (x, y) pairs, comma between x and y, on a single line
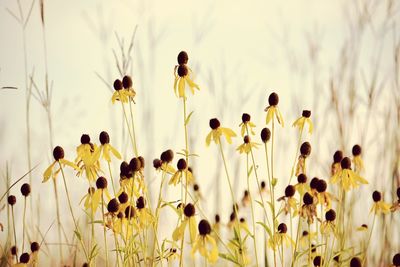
[(69, 163), (181, 87), (208, 138), (192, 228), (115, 152), (47, 173)]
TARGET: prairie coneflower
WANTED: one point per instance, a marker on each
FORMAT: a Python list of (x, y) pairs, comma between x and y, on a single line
[(308, 209), (246, 125), (246, 198), (358, 162), (328, 226), (182, 168), (305, 151), (304, 119), (347, 177), (362, 228), (217, 132), (144, 215), (290, 201), (35, 251), (355, 262), (105, 148), (247, 145), (318, 261), (305, 239), (396, 260), (205, 243), (379, 205), (302, 185), (85, 158), (165, 160), (85, 149), (324, 197), (273, 110), (337, 158), (189, 212), (280, 238), (183, 75), (58, 154), (88, 198), (216, 226), (101, 184), (123, 90)]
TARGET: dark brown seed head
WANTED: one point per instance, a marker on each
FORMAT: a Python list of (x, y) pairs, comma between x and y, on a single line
[(355, 262), (282, 228), (345, 163), (314, 183), (189, 210), (183, 58), (265, 135), (377, 196), (120, 215), (157, 163), (246, 193), (242, 220), (398, 192), (232, 217), (263, 185), (24, 258), (167, 156), (129, 212), (273, 99), (35, 246), (338, 156), (245, 117), (141, 159), (85, 264), (113, 205), (181, 165), (330, 215), (356, 150), (134, 165), (125, 169), (217, 218), (308, 199), (14, 250), (214, 123), (182, 70), (313, 248), (196, 187), (140, 203), (321, 186), (58, 153), (25, 189), (204, 227), (302, 178), (85, 139), (190, 169), (305, 149), (127, 82), (290, 190), (396, 260), (11, 200), (306, 113), (104, 138), (101, 183), (123, 198), (364, 225), (317, 261), (117, 85), (246, 139), (235, 206), (336, 258), (305, 233)]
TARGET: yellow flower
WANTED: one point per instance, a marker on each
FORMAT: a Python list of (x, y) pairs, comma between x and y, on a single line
[(273, 110), (189, 212), (144, 215), (101, 184), (205, 243), (328, 226), (105, 148), (182, 169), (88, 198), (379, 205), (362, 228), (305, 151), (308, 210), (337, 158), (246, 125), (324, 197), (123, 90), (183, 75), (86, 160), (302, 187), (347, 177), (247, 145), (24, 260), (357, 160), (280, 238), (290, 201), (217, 132), (58, 154), (305, 237), (304, 119)]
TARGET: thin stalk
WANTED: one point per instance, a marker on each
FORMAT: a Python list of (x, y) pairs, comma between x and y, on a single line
[(15, 233), (58, 220), (252, 209), (111, 177), (127, 123), (369, 239), (104, 226), (23, 225), (232, 195), (309, 244), (297, 154), (72, 213), (133, 129), (272, 176)]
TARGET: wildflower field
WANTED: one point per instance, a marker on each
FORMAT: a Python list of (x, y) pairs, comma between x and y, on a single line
[(147, 133)]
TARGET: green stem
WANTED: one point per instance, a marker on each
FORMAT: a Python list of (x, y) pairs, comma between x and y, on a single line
[(252, 209), (15, 233), (133, 129), (23, 225), (58, 219), (104, 227), (127, 124), (369, 240), (272, 186)]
